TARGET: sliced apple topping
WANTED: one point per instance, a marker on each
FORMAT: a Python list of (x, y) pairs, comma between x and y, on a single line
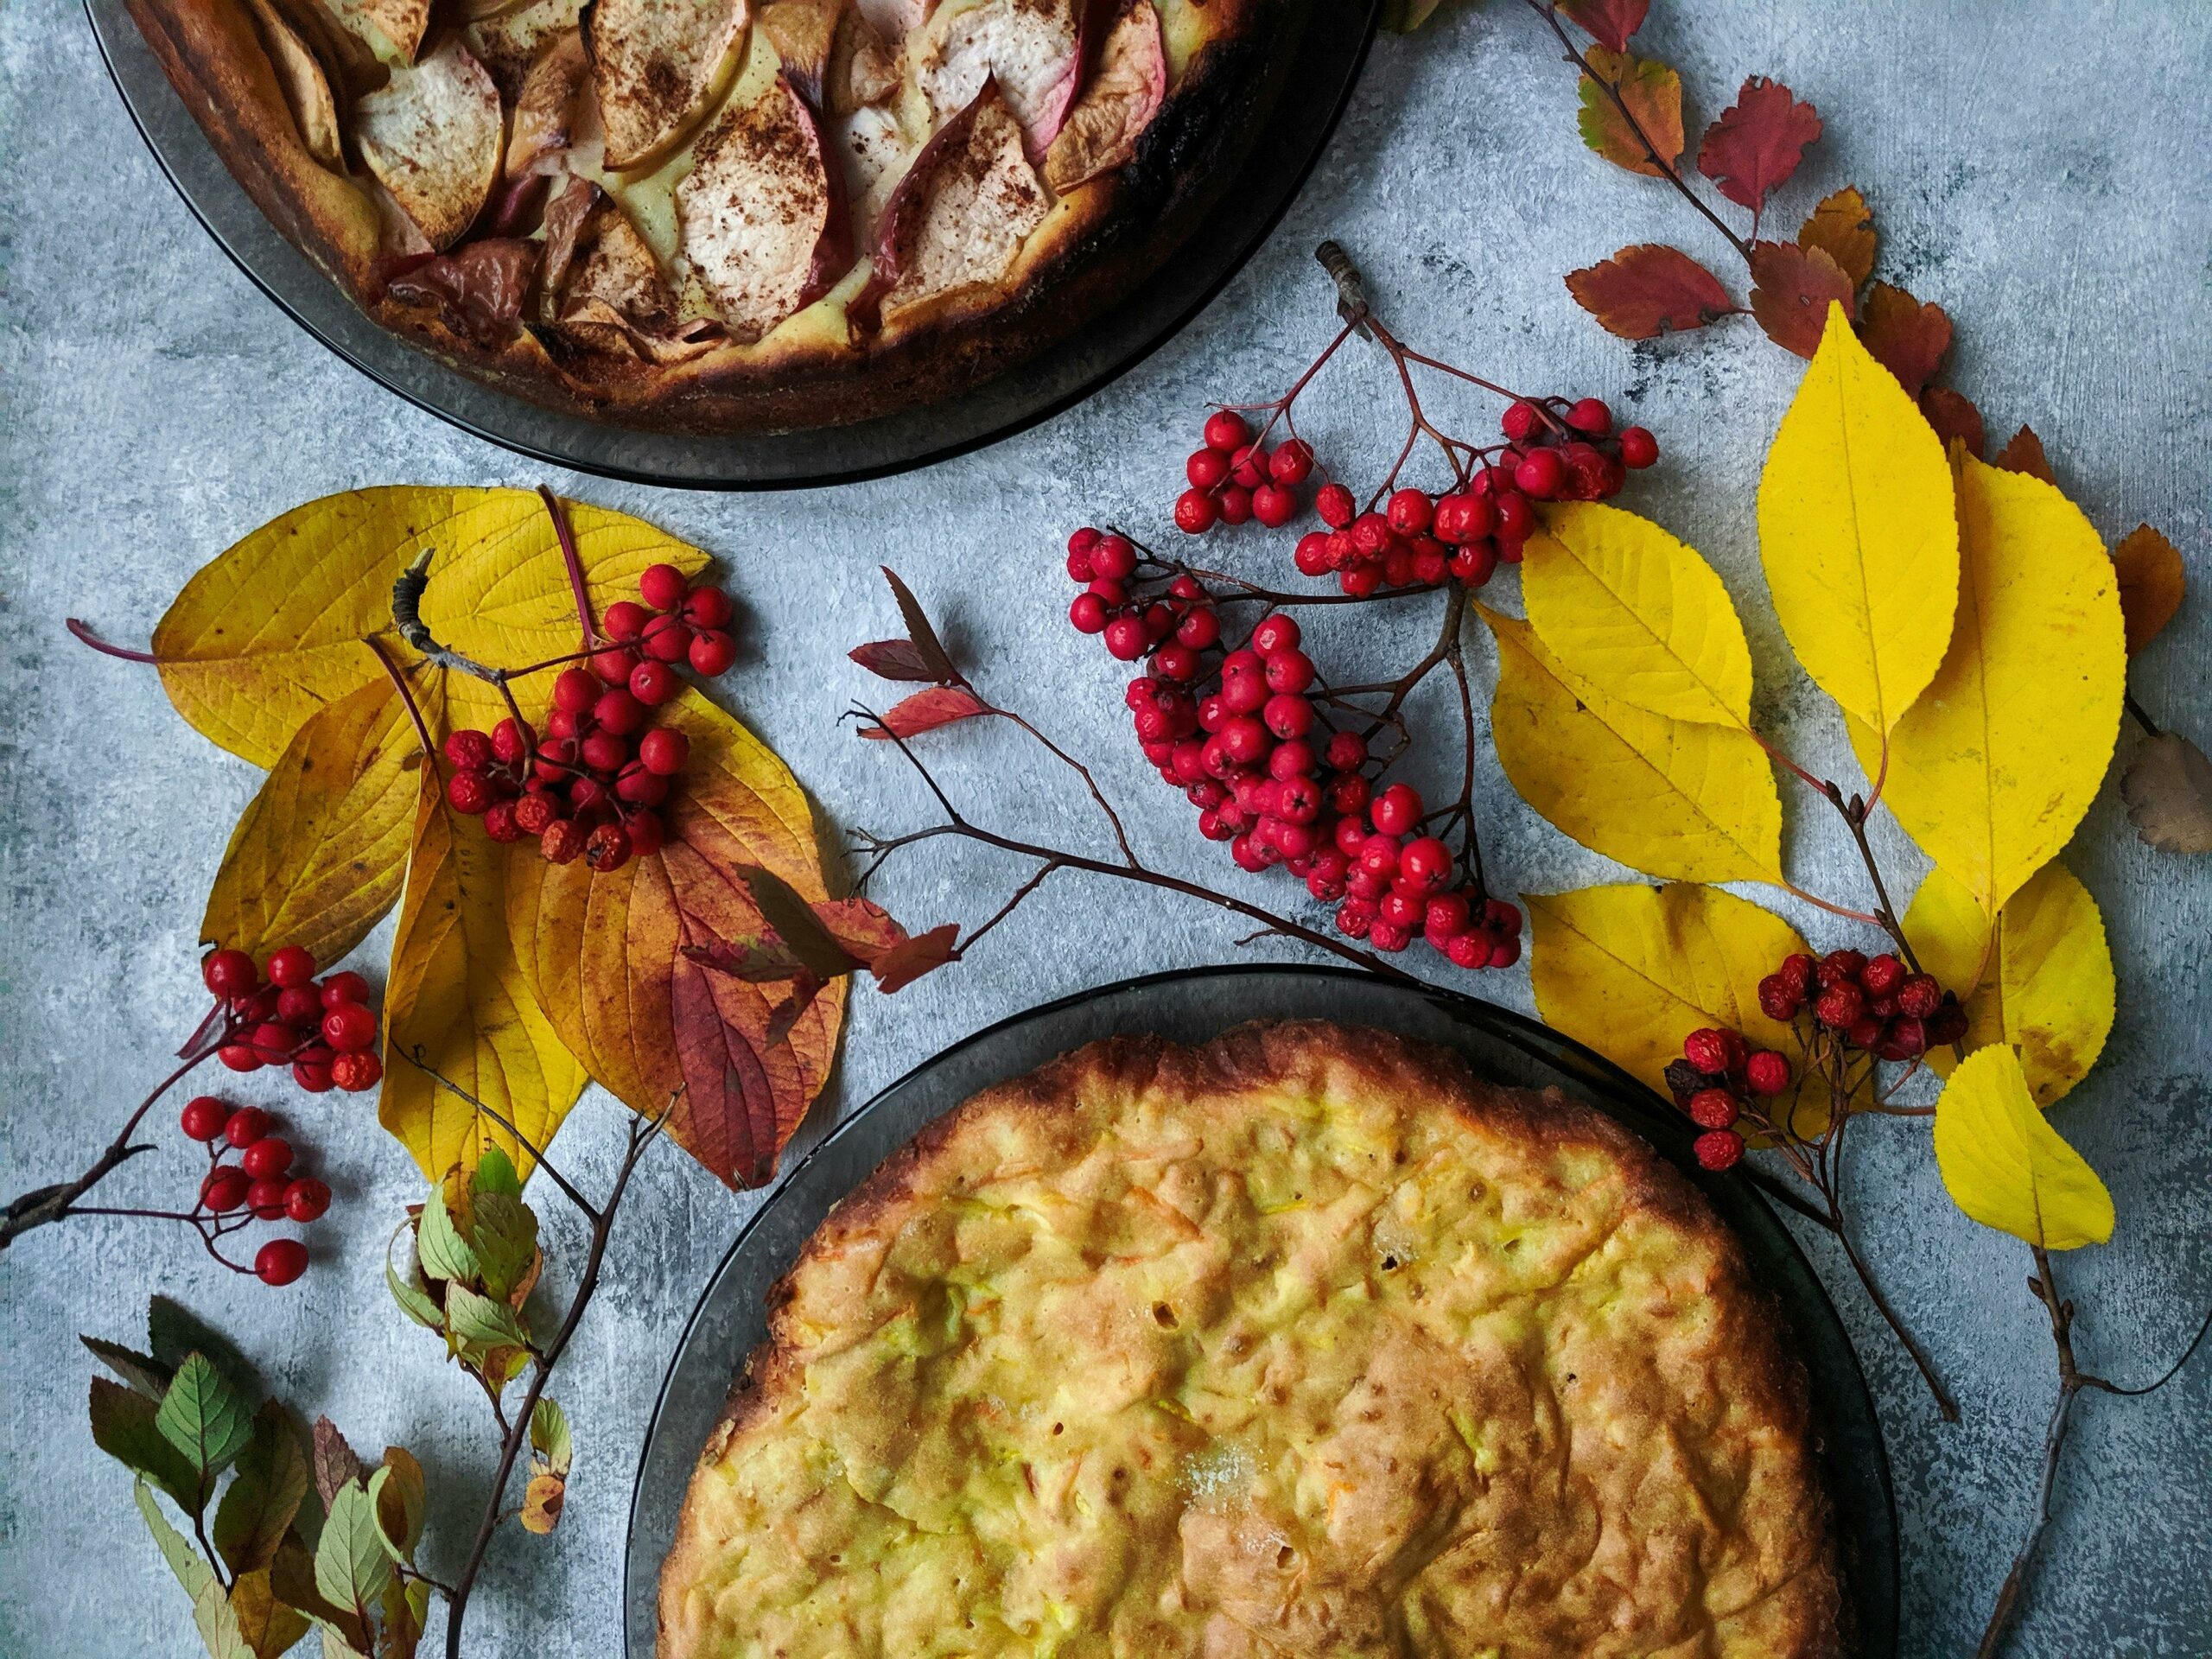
[(957, 220), (1033, 48), (1117, 106), (508, 43), (306, 88), (659, 64), (876, 151), (763, 211), (893, 20), (615, 296), (394, 28), (545, 105), (433, 137)]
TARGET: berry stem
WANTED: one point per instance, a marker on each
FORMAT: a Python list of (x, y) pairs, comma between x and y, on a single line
[(574, 560), (406, 696)]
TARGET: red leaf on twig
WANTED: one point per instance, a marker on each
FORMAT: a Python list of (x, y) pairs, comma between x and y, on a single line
[(921, 632), (1609, 22), (862, 926), (907, 961), (1757, 142), (894, 660), (1907, 336), (927, 710), (1844, 226), (1650, 290), (1791, 287), (1953, 415)]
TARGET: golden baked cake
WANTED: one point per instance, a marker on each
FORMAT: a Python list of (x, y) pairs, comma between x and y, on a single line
[(1302, 1343)]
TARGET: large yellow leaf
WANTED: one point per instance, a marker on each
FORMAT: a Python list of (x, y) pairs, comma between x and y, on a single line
[(2041, 980), (1638, 613), (267, 632), (606, 956), (455, 996), (1631, 970), (1858, 533), (1667, 797), (319, 855), (2006, 1167), (1992, 769)]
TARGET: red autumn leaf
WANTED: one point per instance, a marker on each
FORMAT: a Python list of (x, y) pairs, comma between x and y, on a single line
[(2153, 582), (1953, 415), (1907, 336), (1609, 22), (1639, 103), (799, 997), (927, 710), (892, 659), (764, 961), (1791, 289), (1757, 142), (907, 961), (921, 632), (862, 926), (1650, 290), (1844, 225), (2023, 453)]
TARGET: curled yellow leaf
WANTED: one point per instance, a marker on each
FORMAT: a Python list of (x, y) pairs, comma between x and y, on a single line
[(1991, 770), (320, 855), (2040, 979), (2006, 1167), (1667, 797), (1858, 533), (1631, 970), (455, 996), (1639, 614)]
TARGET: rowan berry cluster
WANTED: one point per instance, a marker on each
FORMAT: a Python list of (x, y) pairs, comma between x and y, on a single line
[(324, 1029), (265, 1184), (1873, 1003), (592, 786), (1234, 479), (1718, 1078)]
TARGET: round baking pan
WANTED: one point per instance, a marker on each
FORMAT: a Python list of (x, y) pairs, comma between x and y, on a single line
[(1191, 1006), (1328, 56)]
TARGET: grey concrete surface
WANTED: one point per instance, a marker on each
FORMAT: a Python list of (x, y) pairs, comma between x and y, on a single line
[(2035, 166)]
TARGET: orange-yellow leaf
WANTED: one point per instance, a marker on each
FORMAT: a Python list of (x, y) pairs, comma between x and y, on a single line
[(1650, 98), (2006, 1167), (1843, 228), (2151, 583)]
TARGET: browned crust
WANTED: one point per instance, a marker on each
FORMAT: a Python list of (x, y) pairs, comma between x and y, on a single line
[(1255, 1057), (1108, 236)]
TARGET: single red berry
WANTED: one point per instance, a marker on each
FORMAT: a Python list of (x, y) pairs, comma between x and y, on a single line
[(1378, 856), (299, 1006), (306, 1199), (712, 653), (1541, 474), (1200, 630), (265, 1198), (1386, 937), (1227, 431), (1292, 463), (1396, 809), (708, 608), (1839, 967), (1767, 1072), (1347, 751), (1638, 447), (203, 1117), (586, 800), (1521, 421), (646, 835), (534, 809), (1087, 614), (1515, 520), (1468, 951), (639, 787), (225, 1188), (313, 1075), (469, 750), (607, 848), (1409, 512), (574, 691), (1840, 1007), (350, 1027), (1919, 996), (618, 712), (355, 1072), (1235, 503), (1125, 639), (1882, 976), (1425, 865), (1707, 1050), (1947, 1024), (238, 1057), (509, 746), (626, 620), (1274, 505), (603, 752), (468, 792), (668, 640), (1908, 1037), (663, 586), (1797, 972), (344, 987), (1718, 1149), (1589, 416), (1335, 504), (1447, 915), (280, 1262), (1196, 512), (1248, 466), (1288, 717), (1114, 558), (1777, 1000), (1175, 661), (1207, 469), (274, 1040), (499, 822), (1712, 1108), (230, 973), (614, 664)]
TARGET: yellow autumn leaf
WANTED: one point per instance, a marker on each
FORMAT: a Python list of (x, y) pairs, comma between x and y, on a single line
[(456, 995), (1858, 533), (2040, 979), (1667, 797), (319, 855), (270, 631), (2006, 1167), (1992, 769), (1639, 614), (1631, 970)]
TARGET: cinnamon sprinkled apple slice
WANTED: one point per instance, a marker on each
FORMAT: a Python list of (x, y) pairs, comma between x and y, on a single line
[(658, 64), (433, 136), (306, 87), (1033, 48), (1116, 106)]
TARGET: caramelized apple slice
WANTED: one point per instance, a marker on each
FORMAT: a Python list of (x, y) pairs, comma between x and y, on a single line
[(433, 137), (1116, 106), (393, 26), (1033, 48), (545, 105), (509, 43), (307, 89), (765, 225), (658, 64)]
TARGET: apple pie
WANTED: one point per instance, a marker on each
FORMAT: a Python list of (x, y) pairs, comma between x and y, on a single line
[(1305, 1342), (730, 215)]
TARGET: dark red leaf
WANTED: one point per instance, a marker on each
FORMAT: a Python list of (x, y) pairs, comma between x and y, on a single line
[(1791, 289), (1609, 22), (1757, 142), (1650, 290), (1907, 337), (927, 710), (907, 961), (862, 927), (921, 632), (1954, 416), (2023, 454), (892, 659)]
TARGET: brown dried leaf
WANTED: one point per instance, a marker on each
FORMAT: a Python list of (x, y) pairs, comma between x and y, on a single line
[(894, 660), (906, 962), (1953, 415), (1843, 227), (921, 632), (2151, 583), (1791, 289), (2023, 453), (1649, 98), (335, 1463), (1908, 336), (1609, 22), (1755, 146), (1650, 290), (927, 710), (2169, 795)]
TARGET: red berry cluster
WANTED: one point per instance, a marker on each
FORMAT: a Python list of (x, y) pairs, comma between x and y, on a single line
[(1872, 1003), (1719, 1077), (591, 786), (264, 1185), (1235, 479), (324, 1029)]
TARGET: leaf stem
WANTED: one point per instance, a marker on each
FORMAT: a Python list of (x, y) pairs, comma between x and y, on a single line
[(85, 635)]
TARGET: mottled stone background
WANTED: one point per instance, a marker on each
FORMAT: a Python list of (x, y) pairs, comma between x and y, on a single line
[(2037, 167)]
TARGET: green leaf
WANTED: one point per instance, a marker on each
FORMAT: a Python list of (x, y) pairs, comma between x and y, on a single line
[(144, 1374), (124, 1427), (403, 1498), (217, 1622), (191, 1571), (174, 1333), (551, 1449), (273, 1482), (478, 1325), (352, 1563), (415, 1302), (495, 1173), (439, 1246), (506, 1240), (203, 1417)]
